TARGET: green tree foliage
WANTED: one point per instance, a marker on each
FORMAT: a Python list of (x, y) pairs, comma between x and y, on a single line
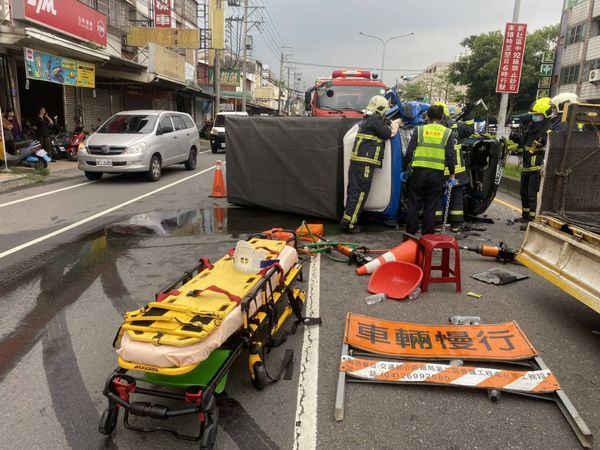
[(413, 91), (478, 70)]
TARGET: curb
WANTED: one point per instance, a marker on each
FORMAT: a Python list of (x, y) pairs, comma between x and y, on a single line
[(510, 185), (23, 180)]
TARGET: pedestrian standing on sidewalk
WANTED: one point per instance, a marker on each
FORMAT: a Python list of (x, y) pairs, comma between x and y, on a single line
[(429, 152), (42, 123)]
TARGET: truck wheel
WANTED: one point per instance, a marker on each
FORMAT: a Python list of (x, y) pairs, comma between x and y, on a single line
[(214, 148), (190, 164), (93, 176), (108, 421), (155, 169)]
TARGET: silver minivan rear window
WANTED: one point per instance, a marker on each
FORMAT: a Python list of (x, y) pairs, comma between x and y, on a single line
[(129, 124)]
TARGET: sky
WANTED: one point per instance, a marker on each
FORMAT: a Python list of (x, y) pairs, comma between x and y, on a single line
[(327, 31)]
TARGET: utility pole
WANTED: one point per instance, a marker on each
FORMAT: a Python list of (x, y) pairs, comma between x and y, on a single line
[(245, 55), (280, 84), (289, 100), (217, 81), (501, 131)]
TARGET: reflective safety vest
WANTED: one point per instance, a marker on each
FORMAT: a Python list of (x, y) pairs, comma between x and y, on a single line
[(459, 167), (362, 151), (431, 146)]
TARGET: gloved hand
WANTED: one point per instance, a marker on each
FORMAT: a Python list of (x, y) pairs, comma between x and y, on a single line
[(452, 182), (404, 176)]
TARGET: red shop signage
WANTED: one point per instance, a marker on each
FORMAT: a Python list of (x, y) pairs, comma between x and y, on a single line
[(511, 58), (70, 17), (162, 13)]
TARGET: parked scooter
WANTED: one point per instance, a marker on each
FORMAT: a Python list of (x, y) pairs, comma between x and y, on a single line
[(26, 153), (77, 138)]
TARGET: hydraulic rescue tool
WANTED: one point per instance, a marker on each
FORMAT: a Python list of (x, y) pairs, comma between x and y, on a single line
[(501, 251)]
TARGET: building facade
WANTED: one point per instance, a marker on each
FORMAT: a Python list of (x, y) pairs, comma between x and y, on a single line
[(74, 58), (436, 87), (577, 66)]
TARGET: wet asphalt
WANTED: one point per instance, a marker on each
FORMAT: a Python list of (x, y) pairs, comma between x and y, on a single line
[(62, 302)]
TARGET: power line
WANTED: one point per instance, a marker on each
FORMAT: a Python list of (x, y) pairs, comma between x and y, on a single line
[(354, 67)]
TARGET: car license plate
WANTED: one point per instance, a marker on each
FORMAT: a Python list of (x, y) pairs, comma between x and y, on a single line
[(62, 149), (104, 162), (41, 153), (222, 144)]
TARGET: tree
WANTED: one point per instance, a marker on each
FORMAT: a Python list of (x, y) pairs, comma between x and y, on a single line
[(478, 70), (413, 91)]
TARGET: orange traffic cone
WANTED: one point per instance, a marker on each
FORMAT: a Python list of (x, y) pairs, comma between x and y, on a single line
[(218, 189), (407, 251)]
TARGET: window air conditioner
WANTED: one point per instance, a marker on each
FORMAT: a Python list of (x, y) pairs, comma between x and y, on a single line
[(594, 76)]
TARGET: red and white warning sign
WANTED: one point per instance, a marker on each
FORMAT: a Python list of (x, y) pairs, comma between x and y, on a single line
[(489, 342), (538, 381), (511, 58)]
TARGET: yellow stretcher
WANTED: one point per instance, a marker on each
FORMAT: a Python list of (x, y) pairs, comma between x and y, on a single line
[(188, 313)]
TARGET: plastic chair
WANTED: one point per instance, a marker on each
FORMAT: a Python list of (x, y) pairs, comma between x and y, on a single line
[(429, 242)]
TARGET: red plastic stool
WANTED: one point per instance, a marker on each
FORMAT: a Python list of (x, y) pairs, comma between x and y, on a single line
[(429, 242)]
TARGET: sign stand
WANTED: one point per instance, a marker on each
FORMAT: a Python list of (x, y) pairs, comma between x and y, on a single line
[(416, 354)]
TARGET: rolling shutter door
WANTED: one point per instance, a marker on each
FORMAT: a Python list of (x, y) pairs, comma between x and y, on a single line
[(70, 96), (96, 109)]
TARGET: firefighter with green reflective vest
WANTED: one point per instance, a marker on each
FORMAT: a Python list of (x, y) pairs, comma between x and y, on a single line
[(461, 130), (366, 157), (532, 144), (429, 152)]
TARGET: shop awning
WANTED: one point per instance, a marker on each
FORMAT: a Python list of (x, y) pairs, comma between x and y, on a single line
[(39, 39), (169, 80), (125, 65)]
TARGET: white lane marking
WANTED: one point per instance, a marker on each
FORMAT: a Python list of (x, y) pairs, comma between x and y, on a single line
[(14, 202), (305, 436), (100, 214)]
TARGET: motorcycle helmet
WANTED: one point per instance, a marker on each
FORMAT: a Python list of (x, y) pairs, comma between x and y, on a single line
[(542, 106), (559, 101), (378, 104)]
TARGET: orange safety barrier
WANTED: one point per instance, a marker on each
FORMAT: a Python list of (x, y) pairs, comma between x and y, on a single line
[(486, 342), (538, 381)]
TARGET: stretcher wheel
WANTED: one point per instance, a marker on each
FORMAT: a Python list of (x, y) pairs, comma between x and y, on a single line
[(108, 421), (261, 379), (209, 435)]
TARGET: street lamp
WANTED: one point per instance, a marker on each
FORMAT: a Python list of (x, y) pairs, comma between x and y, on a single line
[(384, 44)]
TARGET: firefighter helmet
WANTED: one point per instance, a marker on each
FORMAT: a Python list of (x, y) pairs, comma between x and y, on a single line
[(378, 104), (566, 97), (443, 105), (542, 106)]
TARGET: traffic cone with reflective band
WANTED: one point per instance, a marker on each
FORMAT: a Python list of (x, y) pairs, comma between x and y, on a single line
[(407, 251), (218, 189)]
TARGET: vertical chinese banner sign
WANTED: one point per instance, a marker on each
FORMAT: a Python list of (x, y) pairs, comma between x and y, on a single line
[(162, 13), (511, 59)]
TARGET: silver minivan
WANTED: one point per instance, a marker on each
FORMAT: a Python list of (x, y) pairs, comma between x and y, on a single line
[(140, 141)]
